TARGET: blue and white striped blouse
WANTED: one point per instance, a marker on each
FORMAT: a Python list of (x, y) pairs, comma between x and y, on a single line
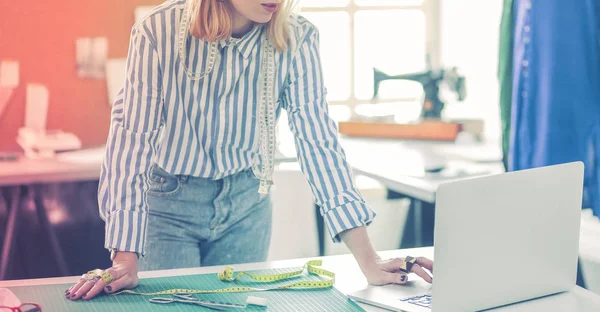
[(208, 127)]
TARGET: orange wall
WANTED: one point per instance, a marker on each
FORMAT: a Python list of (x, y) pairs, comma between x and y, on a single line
[(41, 35)]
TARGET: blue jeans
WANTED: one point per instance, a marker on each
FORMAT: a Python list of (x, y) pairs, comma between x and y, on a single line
[(196, 222)]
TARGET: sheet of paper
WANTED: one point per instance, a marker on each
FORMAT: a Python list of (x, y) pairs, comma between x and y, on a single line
[(91, 55), (9, 74), (83, 48), (115, 77), (5, 95), (36, 107), (86, 156), (99, 56)]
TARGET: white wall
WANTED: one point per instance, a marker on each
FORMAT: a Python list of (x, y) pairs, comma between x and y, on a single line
[(470, 36)]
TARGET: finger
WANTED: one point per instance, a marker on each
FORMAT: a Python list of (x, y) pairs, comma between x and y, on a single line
[(95, 288), (124, 282), (74, 288), (396, 278), (98, 287), (425, 263), (82, 290), (417, 269), (120, 279), (396, 265), (118, 272)]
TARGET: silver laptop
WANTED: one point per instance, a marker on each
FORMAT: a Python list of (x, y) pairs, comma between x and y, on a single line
[(499, 240)]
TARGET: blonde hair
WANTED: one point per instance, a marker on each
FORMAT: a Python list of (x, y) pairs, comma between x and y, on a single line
[(211, 20)]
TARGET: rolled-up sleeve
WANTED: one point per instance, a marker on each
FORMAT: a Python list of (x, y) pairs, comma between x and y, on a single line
[(321, 157), (131, 146)]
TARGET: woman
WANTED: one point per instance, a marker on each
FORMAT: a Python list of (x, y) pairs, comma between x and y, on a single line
[(189, 156)]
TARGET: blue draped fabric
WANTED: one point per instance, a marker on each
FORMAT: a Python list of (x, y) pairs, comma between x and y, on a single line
[(556, 88)]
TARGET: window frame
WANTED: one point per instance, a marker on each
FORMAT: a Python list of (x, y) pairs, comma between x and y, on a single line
[(431, 10)]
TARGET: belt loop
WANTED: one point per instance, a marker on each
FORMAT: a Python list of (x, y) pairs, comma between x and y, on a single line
[(227, 183), (183, 178)]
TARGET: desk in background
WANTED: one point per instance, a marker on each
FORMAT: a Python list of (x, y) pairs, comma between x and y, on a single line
[(72, 181), (401, 165), (23, 184), (348, 279)]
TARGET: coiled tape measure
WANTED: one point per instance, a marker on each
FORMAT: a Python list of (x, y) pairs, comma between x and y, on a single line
[(228, 275)]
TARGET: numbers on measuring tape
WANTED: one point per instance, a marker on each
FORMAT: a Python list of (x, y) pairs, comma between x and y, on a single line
[(228, 276)]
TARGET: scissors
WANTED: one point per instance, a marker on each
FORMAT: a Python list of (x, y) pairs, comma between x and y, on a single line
[(187, 298)]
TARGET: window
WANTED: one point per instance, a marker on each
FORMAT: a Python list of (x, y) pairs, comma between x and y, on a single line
[(394, 36), (358, 35), (470, 33)]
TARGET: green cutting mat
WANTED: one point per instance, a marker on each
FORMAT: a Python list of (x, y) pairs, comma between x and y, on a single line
[(52, 299)]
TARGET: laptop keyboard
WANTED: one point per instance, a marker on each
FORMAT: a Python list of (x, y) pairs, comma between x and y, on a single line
[(423, 300)]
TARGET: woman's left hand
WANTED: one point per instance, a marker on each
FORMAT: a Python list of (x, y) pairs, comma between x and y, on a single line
[(382, 272)]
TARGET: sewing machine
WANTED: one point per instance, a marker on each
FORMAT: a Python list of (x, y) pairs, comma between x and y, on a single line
[(431, 125), (431, 81)]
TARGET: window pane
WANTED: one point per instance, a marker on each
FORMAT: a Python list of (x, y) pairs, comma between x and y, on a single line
[(334, 33), (388, 2), (392, 41), (323, 3)]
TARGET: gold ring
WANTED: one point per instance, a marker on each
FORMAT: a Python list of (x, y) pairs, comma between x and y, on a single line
[(106, 277), (408, 263)]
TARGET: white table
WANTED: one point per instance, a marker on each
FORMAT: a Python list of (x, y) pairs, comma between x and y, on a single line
[(400, 165), (349, 278), (403, 166)]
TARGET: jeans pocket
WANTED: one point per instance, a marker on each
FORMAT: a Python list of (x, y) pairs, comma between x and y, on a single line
[(254, 183), (162, 183)]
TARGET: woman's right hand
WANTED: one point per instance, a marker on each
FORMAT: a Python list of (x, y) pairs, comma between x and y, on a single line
[(124, 272)]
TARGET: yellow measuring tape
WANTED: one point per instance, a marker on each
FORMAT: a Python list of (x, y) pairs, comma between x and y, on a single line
[(228, 275)]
